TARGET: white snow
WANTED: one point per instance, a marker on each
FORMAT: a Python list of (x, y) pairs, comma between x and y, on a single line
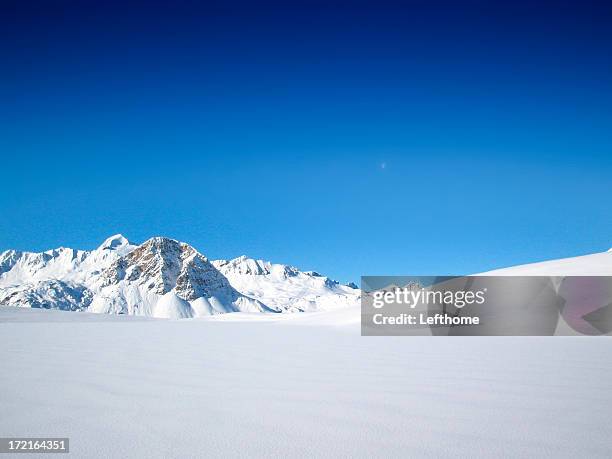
[(298, 385), (597, 264), (170, 306)]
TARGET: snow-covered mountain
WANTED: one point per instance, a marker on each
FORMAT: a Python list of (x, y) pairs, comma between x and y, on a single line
[(161, 278), (283, 287), (59, 278)]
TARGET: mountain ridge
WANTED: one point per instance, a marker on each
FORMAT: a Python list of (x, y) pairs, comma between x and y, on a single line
[(162, 277)]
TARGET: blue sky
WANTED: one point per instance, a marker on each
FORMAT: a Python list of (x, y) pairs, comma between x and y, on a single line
[(263, 130)]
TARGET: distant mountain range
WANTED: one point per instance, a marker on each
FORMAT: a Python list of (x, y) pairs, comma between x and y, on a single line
[(162, 278)]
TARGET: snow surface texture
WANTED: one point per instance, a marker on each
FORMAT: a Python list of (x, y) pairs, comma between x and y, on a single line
[(296, 385), (161, 278)]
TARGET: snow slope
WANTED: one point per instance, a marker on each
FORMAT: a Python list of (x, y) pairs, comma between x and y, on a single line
[(597, 264)]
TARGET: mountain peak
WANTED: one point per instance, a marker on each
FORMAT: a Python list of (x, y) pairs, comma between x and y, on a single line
[(158, 240), (245, 265), (162, 264), (114, 242), (8, 260), (162, 244)]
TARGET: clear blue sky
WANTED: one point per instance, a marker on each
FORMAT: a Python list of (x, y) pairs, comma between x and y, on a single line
[(263, 130)]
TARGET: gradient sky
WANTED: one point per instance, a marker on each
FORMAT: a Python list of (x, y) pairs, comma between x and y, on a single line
[(352, 139)]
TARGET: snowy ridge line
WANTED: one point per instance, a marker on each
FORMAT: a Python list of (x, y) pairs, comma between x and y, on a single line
[(596, 264), (163, 278)]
